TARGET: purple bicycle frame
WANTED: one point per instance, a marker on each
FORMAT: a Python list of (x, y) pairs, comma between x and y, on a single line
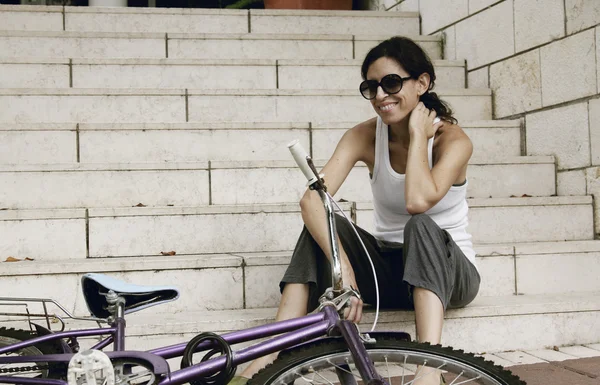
[(293, 332), (296, 331)]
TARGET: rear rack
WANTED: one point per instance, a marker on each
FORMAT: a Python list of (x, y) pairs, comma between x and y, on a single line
[(50, 318)]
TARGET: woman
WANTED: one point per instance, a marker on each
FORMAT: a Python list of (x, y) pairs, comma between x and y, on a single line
[(418, 179)]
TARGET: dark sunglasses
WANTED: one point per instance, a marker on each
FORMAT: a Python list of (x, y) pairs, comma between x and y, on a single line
[(390, 84)]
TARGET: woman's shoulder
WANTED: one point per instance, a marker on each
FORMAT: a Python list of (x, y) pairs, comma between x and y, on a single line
[(364, 130), (451, 139)]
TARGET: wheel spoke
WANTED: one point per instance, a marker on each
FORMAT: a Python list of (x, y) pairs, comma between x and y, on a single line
[(328, 362)]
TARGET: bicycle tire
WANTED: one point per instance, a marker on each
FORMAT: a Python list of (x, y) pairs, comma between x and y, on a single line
[(10, 336), (329, 353)]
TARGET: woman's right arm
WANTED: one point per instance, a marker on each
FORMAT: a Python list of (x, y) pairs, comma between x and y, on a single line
[(349, 150)]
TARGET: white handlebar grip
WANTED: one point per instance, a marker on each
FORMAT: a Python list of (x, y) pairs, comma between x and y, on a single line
[(300, 155)]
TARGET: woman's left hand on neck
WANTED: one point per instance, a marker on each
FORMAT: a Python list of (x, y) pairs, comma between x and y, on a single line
[(421, 123)]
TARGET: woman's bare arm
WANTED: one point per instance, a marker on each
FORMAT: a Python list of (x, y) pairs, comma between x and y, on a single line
[(425, 187)]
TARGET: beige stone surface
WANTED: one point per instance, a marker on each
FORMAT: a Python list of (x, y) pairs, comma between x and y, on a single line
[(490, 141), (516, 83), (562, 132), (478, 5), (581, 14), (28, 147), (316, 107), (165, 75), (262, 285), (450, 43), (557, 62), (67, 293), (497, 275), (178, 21), (70, 188), (594, 111), (191, 145), (34, 75), (527, 223), (431, 45), (19, 19), (505, 180), (200, 289), (315, 22), (557, 273), (257, 185), (520, 358), (598, 58), (571, 183), (91, 108), (43, 239), (479, 78), (494, 39), (551, 355), (319, 76), (593, 188), (436, 14), (580, 351), (191, 234), (235, 48), (81, 45), (404, 6), (494, 142), (538, 22)]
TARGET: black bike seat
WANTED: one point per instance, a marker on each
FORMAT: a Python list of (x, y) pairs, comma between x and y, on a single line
[(137, 297)]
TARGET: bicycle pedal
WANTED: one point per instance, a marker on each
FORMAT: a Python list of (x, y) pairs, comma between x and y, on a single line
[(366, 338), (91, 367)]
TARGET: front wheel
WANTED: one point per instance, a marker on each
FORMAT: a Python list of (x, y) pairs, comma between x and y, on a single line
[(328, 361)]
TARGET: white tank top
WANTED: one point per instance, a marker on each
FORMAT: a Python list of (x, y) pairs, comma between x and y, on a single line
[(450, 213)]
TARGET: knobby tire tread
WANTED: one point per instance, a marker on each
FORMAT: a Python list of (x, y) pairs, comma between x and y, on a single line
[(294, 357)]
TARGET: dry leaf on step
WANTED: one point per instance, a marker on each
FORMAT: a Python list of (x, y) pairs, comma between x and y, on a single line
[(140, 205), (12, 259), (168, 252), (29, 259)]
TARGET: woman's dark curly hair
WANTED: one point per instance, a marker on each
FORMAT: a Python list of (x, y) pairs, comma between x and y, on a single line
[(415, 61)]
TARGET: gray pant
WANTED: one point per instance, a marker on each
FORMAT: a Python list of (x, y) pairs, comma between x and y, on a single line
[(429, 259)]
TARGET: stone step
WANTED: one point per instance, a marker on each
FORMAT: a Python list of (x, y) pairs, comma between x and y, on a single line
[(198, 73), (236, 281), (281, 181), (500, 220), (480, 327), (175, 106), (201, 142), (114, 19), (492, 139), (230, 183), (105, 45), (148, 231), (31, 18)]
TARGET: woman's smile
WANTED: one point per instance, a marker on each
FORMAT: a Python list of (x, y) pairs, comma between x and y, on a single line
[(387, 107)]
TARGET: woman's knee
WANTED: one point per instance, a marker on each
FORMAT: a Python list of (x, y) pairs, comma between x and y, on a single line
[(418, 222)]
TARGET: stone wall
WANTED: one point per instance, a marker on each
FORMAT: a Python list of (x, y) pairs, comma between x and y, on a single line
[(541, 58)]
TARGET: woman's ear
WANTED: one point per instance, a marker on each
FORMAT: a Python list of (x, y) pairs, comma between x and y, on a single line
[(423, 82)]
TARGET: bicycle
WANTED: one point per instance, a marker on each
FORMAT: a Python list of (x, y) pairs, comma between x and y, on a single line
[(320, 348)]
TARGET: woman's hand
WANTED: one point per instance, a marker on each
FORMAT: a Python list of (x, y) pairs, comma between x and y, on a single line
[(421, 121), (354, 311)]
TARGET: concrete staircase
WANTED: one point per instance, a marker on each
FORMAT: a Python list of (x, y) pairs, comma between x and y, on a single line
[(126, 134)]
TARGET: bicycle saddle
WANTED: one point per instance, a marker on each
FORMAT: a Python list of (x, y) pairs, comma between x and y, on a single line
[(137, 297)]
